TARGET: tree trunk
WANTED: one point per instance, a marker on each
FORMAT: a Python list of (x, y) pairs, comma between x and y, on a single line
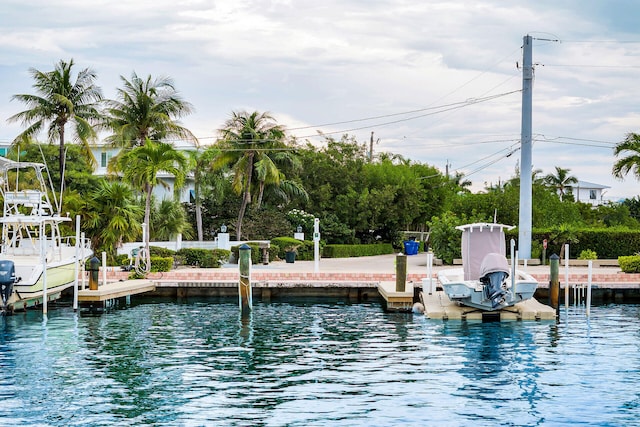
[(247, 196), (260, 194), (199, 219), (147, 226), (61, 161)]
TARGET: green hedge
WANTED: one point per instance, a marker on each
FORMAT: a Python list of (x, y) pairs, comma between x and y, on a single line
[(204, 258), (607, 243), (256, 253), (346, 251)]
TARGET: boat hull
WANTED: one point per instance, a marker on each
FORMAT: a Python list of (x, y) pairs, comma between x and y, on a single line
[(472, 293), (25, 295)]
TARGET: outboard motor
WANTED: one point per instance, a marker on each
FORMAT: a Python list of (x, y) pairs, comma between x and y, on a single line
[(494, 271), (7, 279)]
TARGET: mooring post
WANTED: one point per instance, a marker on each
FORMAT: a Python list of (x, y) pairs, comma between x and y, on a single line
[(554, 282), (401, 272), (244, 286)]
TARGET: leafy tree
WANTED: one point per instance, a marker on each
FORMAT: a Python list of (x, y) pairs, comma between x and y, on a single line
[(141, 165), (634, 206), (146, 109), (630, 147), (244, 139), (60, 100), (561, 181)]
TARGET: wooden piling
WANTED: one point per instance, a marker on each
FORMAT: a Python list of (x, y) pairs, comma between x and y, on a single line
[(554, 282), (244, 285), (401, 272)]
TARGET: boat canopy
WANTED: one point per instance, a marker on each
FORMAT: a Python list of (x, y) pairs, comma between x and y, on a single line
[(478, 240)]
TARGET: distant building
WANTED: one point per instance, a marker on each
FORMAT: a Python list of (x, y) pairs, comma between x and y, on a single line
[(588, 192)]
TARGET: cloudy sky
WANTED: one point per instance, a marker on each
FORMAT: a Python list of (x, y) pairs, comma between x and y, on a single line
[(436, 81)]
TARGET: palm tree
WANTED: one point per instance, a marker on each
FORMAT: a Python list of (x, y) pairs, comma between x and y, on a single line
[(244, 139), (169, 220), (109, 213), (146, 108), (199, 164), (631, 147), (560, 181), (141, 165), (59, 100)]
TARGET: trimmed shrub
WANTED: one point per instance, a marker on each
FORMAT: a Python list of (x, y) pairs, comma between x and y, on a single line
[(629, 264), (204, 258), (588, 254), (158, 251), (346, 251), (256, 252), (161, 264)]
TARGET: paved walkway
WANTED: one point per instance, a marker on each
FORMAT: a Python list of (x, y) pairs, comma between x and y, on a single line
[(376, 269)]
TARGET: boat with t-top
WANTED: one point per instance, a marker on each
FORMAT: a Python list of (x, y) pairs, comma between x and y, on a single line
[(487, 281), (37, 262)]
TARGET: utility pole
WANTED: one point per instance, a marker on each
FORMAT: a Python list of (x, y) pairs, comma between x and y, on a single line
[(371, 147), (524, 226)]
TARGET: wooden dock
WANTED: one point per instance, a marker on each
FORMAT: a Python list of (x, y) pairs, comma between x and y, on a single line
[(439, 306), (394, 300), (106, 294)]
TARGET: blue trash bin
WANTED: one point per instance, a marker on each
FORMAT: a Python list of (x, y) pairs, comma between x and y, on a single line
[(411, 247)]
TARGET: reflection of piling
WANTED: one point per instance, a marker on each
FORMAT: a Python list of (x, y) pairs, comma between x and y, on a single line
[(401, 272), (554, 282), (244, 286)]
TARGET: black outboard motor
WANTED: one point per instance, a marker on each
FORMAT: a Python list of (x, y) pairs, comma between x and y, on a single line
[(494, 271), (7, 279)]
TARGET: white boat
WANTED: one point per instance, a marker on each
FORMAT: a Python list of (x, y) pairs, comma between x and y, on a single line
[(36, 261), (486, 281)]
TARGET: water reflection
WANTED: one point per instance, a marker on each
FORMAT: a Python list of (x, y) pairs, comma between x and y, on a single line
[(299, 364)]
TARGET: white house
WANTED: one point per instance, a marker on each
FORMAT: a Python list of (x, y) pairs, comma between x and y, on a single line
[(588, 192), (104, 153)]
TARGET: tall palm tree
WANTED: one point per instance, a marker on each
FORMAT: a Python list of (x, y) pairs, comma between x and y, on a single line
[(245, 141), (560, 181), (61, 100), (203, 179), (146, 108), (631, 163), (141, 165)]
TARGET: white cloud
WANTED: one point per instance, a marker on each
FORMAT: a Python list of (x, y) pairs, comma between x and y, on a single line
[(311, 63)]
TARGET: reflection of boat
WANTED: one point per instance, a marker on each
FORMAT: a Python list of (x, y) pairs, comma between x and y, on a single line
[(486, 280), (31, 240)]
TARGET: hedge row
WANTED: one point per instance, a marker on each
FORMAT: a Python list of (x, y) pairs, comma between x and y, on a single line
[(346, 251), (607, 243)]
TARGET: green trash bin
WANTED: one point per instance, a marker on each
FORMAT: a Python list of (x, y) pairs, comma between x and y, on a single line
[(290, 257)]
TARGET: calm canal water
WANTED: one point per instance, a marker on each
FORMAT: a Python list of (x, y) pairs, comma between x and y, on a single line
[(316, 364)]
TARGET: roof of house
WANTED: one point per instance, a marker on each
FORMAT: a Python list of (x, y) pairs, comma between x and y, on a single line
[(588, 185)]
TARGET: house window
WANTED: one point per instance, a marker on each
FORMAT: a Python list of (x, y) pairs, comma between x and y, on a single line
[(3, 152), (592, 194), (105, 156)]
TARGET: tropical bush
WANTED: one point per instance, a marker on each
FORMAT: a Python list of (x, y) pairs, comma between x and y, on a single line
[(588, 254), (629, 264)]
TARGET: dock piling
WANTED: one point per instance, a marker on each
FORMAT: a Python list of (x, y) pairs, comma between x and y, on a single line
[(244, 285), (401, 272), (554, 282)]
